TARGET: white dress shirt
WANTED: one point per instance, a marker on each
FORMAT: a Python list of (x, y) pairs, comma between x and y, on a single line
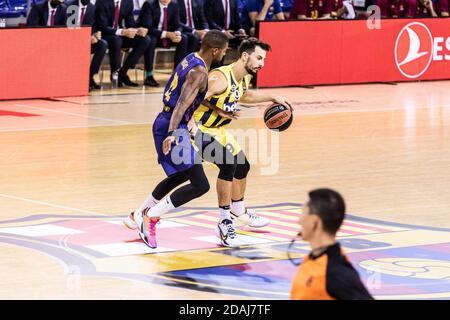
[(190, 11), (161, 18), (80, 6), (224, 3), (50, 9), (118, 31)]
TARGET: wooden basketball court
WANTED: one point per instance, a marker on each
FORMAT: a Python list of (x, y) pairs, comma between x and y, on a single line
[(73, 168)]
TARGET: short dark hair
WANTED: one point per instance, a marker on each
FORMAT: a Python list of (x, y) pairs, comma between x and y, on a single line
[(329, 206), (250, 44), (214, 39)]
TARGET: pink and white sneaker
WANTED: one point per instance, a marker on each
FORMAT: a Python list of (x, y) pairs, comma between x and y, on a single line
[(129, 222), (147, 228)]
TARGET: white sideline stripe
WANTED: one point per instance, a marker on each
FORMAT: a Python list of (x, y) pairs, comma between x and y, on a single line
[(76, 127), (41, 230), (50, 204), (74, 114)]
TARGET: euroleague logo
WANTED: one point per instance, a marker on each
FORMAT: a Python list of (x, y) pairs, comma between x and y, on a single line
[(414, 50)]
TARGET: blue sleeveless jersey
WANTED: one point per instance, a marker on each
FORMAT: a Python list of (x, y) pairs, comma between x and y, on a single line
[(172, 90)]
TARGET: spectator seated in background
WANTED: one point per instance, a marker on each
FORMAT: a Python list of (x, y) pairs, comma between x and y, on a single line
[(48, 13), (311, 9), (85, 17), (194, 23), (115, 20), (262, 10), (223, 15), (286, 7), (426, 9), (442, 8), (342, 9), (162, 18), (397, 8)]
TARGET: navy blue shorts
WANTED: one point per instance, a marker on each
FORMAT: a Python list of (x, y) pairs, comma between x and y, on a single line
[(182, 156)]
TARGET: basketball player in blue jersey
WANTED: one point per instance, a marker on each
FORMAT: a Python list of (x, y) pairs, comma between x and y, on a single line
[(186, 89)]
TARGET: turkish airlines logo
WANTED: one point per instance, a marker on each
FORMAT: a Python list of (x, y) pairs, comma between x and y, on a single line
[(414, 50)]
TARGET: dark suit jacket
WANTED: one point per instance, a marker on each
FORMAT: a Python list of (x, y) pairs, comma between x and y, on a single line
[(38, 15), (215, 14), (151, 13), (104, 16), (198, 16), (89, 15)]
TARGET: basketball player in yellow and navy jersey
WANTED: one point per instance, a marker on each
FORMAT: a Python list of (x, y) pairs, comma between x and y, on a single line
[(227, 86)]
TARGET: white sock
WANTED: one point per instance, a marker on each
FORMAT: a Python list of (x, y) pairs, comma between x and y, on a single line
[(238, 207), (224, 213), (162, 207), (148, 203)]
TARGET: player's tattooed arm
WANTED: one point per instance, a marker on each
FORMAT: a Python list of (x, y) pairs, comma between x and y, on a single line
[(196, 80)]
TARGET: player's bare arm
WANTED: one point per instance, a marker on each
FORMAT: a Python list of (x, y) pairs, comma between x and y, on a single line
[(217, 84), (257, 97), (196, 80)]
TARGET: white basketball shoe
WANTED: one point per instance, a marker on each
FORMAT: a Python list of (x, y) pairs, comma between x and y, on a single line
[(227, 234), (251, 219)]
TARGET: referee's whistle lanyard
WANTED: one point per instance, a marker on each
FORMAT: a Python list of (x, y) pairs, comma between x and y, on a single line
[(291, 244), (314, 253)]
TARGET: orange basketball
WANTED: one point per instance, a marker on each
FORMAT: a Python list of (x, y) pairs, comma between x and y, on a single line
[(278, 117)]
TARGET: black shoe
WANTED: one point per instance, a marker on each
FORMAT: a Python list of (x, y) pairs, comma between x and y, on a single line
[(126, 81), (93, 85), (151, 82)]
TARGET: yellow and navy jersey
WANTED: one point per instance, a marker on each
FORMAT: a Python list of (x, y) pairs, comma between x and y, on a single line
[(227, 100), (328, 276)]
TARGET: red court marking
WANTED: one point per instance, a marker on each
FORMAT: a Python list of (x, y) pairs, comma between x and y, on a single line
[(101, 232), (293, 228), (17, 114), (287, 213)]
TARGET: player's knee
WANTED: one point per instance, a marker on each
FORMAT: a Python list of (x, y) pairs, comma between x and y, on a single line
[(242, 170), (202, 187), (205, 187), (227, 171)]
